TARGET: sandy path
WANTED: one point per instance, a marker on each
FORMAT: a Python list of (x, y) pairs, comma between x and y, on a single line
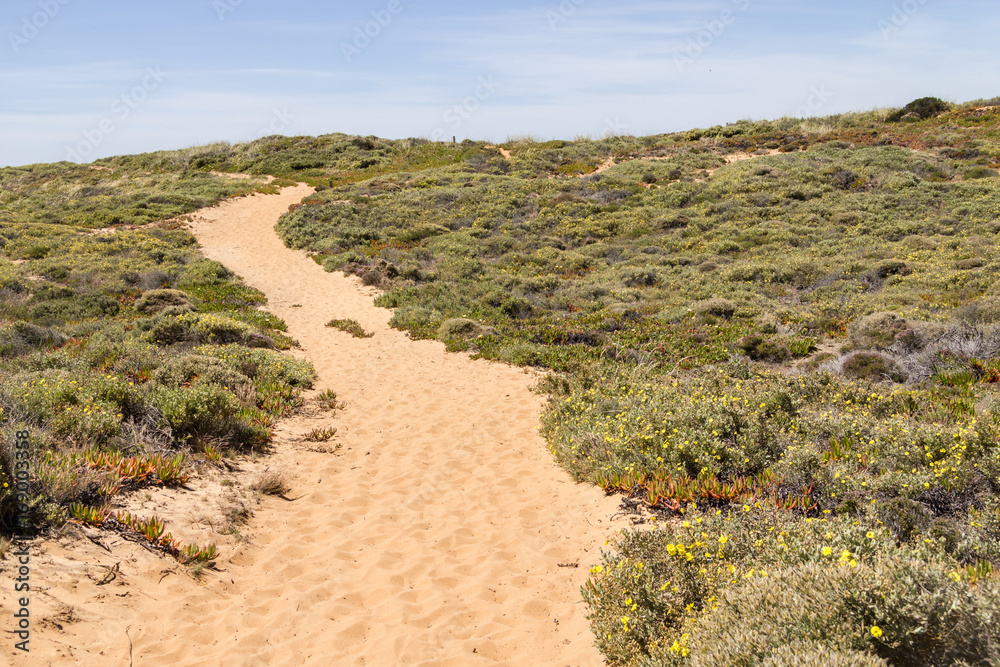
[(604, 166), (433, 537)]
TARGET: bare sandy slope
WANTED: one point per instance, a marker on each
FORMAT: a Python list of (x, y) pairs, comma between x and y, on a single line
[(434, 536)]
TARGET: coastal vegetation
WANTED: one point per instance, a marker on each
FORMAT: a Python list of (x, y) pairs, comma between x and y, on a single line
[(777, 341)]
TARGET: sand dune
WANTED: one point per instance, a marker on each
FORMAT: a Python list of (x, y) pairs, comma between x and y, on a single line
[(438, 534)]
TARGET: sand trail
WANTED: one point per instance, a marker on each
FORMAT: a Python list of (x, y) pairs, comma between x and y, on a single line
[(434, 536)]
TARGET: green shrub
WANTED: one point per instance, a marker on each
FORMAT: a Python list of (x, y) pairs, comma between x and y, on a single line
[(872, 366), (718, 307), (81, 307), (981, 311), (85, 408), (422, 232), (20, 337), (891, 267), (262, 365), (980, 172), (460, 328), (801, 346), (878, 330), (906, 612), (211, 328), (202, 409), (764, 348), (156, 300), (641, 278), (420, 321), (349, 326), (925, 107), (967, 264), (205, 272), (737, 587), (202, 369), (167, 330)]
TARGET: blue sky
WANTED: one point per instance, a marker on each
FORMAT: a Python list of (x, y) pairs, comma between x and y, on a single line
[(86, 79)]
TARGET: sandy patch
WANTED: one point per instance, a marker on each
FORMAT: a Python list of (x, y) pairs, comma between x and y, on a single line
[(604, 166), (503, 151), (440, 533)]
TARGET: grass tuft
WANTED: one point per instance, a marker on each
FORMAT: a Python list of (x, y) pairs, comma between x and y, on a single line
[(349, 326)]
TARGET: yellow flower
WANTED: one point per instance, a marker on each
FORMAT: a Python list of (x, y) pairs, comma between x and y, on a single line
[(876, 631), (871, 535), (827, 551)]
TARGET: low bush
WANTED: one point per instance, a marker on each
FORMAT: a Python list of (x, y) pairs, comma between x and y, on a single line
[(739, 587), (262, 365), (872, 366), (153, 301), (923, 108), (878, 330), (20, 337), (349, 326), (718, 307), (459, 328), (980, 172), (202, 409), (79, 307), (190, 369), (902, 611), (211, 328), (764, 348), (981, 311), (891, 267)]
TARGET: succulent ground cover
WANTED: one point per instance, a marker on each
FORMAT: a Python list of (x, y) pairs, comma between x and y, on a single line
[(778, 338)]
